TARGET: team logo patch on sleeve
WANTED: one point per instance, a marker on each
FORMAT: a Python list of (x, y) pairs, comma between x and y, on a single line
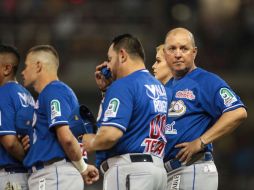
[(227, 96), (112, 108), (55, 109)]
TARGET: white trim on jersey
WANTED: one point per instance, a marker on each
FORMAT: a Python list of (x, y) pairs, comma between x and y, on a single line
[(4, 132), (233, 107), (58, 122), (114, 124)]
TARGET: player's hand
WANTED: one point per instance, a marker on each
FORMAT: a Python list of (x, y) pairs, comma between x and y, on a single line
[(188, 149), (87, 142), (101, 81), (90, 175), (25, 141)]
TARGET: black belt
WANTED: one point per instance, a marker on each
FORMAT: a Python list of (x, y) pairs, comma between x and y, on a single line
[(133, 158), (14, 169), (41, 165), (174, 163)]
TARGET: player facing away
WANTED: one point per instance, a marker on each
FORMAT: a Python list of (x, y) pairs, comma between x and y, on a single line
[(54, 154), (14, 100), (130, 140), (203, 109)]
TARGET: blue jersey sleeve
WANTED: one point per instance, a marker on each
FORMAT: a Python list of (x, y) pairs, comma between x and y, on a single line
[(227, 100), (117, 106), (58, 108), (218, 98)]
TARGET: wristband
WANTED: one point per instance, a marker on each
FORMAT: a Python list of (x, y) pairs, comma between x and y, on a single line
[(80, 165)]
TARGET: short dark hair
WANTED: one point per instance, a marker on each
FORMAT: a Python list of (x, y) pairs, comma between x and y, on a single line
[(8, 49), (46, 48), (130, 43)]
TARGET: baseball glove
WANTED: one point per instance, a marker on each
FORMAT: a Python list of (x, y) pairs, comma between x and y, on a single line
[(82, 121)]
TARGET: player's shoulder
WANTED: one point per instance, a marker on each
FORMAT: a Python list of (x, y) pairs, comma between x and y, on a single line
[(123, 82), (203, 77), (133, 80), (11, 88), (14, 93), (56, 86), (57, 90)]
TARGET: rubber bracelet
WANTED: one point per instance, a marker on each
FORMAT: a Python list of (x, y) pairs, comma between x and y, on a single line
[(80, 165)]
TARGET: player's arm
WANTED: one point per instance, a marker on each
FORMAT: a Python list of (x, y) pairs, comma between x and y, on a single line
[(68, 142), (104, 139), (228, 122), (13, 146), (225, 124), (72, 149)]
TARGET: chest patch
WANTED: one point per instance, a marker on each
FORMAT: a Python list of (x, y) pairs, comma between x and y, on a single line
[(186, 94), (177, 108)]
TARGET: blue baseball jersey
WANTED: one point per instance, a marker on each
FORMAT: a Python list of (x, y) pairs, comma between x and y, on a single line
[(53, 108), (137, 105), (198, 100), (13, 97)]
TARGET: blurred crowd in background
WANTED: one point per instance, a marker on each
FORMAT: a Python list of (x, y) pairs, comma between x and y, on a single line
[(81, 31)]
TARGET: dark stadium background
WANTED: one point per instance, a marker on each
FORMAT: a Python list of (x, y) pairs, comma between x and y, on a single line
[(81, 31)]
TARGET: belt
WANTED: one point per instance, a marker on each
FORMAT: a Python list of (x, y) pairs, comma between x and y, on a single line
[(133, 158), (14, 169), (41, 165), (174, 163)]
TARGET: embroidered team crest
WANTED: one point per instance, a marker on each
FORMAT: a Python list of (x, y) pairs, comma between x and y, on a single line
[(55, 109), (227, 96), (187, 94), (177, 108), (112, 108)]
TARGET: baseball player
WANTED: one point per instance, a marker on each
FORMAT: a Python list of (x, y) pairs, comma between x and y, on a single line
[(203, 109), (130, 140), (54, 155), (14, 99)]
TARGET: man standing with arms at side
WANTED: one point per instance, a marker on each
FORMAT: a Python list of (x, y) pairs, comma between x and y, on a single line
[(203, 109), (14, 99), (130, 140), (53, 146)]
